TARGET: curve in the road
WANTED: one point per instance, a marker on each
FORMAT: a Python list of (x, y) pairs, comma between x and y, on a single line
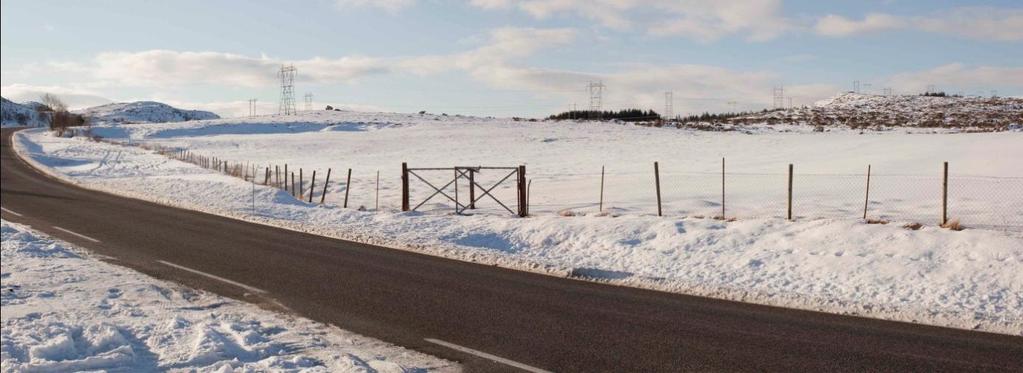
[(540, 322)]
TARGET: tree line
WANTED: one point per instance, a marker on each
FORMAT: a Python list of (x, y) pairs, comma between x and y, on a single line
[(625, 115)]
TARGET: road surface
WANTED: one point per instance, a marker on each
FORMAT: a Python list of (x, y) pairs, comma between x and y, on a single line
[(488, 318)]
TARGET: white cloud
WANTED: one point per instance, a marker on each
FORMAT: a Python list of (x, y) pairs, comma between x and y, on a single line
[(504, 45), (174, 68), (757, 20), (387, 5), (834, 25), (75, 98), (983, 23), (958, 77)]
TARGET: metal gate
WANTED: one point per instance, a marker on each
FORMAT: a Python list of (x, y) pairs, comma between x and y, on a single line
[(465, 173)]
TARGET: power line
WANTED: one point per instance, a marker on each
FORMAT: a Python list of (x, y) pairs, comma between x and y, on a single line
[(287, 104), (252, 107)]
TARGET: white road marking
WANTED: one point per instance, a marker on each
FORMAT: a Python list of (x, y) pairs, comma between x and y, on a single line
[(76, 234), (10, 212), (487, 356), (215, 277)]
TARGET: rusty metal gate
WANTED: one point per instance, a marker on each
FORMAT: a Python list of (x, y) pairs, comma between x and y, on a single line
[(465, 173)]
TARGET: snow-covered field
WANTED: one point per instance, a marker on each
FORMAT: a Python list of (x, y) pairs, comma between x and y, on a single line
[(65, 310), (828, 259)]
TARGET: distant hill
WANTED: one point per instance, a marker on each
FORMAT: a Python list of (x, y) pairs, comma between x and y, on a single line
[(142, 112), (856, 110), (15, 114)]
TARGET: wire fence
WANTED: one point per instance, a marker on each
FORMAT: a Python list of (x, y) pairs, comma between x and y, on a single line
[(974, 201)]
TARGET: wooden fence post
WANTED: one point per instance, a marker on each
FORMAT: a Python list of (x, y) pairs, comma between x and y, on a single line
[(944, 196), (723, 188), (657, 184), (301, 188), (285, 177), (323, 196), (404, 186), (277, 176), (266, 176), (523, 212), (293, 183), (472, 189), (348, 187), (312, 187), (866, 201), (529, 188), (790, 192), (601, 205)]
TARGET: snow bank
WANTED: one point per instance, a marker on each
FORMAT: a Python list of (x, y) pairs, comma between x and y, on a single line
[(968, 279), (64, 310)]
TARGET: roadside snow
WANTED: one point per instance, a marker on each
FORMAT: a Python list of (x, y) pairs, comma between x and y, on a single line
[(64, 310), (968, 279)]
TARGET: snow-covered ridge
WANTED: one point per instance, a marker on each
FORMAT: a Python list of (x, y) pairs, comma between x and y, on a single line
[(142, 112), (26, 114), (858, 110)]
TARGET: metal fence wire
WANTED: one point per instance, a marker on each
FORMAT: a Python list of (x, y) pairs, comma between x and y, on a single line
[(975, 201)]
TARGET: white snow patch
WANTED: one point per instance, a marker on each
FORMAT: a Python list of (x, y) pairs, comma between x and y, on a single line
[(64, 310)]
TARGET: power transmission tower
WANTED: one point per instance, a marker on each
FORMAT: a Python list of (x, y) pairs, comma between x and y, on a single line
[(931, 89), (287, 104), (790, 102), (856, 86), (669, 105), (887, 91), (308, 101), (866, 87), (731, 104), (597, 97), (252, 107), (779, 97)]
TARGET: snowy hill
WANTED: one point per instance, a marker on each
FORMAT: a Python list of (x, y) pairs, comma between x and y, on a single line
[(856, 110), (15, 114), (142, 112)]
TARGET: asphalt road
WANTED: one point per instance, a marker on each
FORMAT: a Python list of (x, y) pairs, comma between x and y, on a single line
[(438, 306)]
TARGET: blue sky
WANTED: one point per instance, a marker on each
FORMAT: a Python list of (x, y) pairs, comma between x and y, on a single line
[(505, 57)]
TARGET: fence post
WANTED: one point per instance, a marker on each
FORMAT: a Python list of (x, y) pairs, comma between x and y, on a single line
[(456, 190), (277, 176), (377, 204), (723, 188), (312, 187), (601, 206), (301, 188), (404, 186), (293, 183), (285, 177), (944, 196), (472, 189), (266, 176), (657, 184), (790, 192), (529, 187), (348, 187), (523, 212), (866, 201), (323, 196)]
